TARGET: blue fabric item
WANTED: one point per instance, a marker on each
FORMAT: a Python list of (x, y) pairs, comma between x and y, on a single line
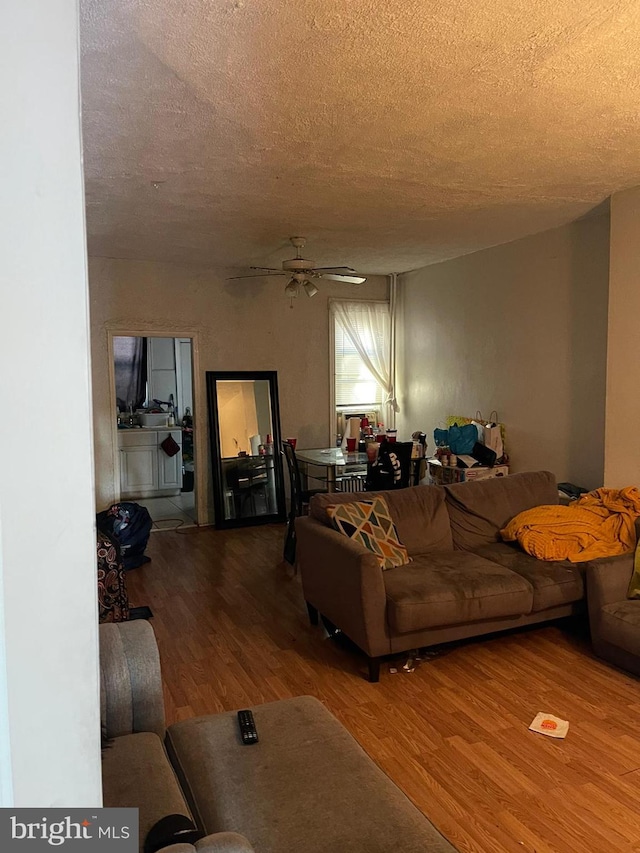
[(462, 439), (441, 437)]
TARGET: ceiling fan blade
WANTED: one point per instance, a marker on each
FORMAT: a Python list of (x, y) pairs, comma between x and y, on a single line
[(269, 270), (349, 279), (337, 270), (255, 275)]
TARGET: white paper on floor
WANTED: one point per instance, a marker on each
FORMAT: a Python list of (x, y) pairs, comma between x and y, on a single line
[(547, 724), (415, 658)]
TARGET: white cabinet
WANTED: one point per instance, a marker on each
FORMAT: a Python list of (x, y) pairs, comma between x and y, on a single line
[(145, 469), (138, 470), (170, 467)]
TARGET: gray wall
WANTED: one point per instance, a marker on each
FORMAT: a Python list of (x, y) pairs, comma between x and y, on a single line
[(49, 679), (520, 328), (622, 463)]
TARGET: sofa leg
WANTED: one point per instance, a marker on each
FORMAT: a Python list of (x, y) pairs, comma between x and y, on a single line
[(313, 613), (374, 670)]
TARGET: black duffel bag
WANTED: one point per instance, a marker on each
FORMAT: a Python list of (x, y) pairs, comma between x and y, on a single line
[(130, 525)]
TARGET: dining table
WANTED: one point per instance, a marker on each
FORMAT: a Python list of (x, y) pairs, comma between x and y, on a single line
[(335, 464)]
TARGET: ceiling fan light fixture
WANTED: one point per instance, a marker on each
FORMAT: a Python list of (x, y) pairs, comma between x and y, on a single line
[(292, 289), (301, 272)]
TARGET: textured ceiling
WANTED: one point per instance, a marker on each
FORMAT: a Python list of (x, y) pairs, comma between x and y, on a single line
[(390, 133)]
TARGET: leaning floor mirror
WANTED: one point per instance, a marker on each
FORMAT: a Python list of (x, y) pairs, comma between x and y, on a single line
[(244, 430)]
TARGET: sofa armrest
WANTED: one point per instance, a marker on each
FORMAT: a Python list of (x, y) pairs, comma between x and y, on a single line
[(344, 581), (608, 579), (219, 842), (131, 697)]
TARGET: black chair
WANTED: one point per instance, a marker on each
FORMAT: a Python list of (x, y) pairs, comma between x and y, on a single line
[(393, 467), (299, 500), (245, 477)]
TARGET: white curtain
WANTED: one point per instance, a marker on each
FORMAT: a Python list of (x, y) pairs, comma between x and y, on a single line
[(368, 327), (393, 322)]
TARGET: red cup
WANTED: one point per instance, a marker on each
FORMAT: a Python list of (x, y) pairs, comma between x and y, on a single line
[(351, 445), (292, 442), (380, 437)]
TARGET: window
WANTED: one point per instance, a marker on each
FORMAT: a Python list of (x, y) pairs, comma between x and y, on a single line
[(354, 385), (361, 354), (130, 357)]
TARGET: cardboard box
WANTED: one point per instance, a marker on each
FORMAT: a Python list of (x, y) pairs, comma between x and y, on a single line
[(441, 476), (485, 473)]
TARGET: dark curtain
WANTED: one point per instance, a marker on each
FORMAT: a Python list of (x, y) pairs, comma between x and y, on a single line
[(130, 356)]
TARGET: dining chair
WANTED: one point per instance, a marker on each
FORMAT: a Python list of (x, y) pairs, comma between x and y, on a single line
[(245, 479), (392, 468), (299, 500)]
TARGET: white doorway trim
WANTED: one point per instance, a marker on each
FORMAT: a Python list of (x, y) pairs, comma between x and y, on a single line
[(199, 407)]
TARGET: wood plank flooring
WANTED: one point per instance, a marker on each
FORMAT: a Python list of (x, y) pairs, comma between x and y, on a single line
[(233, 632)]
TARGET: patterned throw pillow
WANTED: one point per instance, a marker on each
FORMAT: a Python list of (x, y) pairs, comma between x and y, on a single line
[(369, 522)]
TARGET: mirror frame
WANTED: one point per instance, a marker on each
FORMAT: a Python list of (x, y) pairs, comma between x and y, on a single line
[(271, 376)]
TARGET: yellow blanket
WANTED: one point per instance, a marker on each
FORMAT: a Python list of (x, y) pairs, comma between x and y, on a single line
[(599, 524)]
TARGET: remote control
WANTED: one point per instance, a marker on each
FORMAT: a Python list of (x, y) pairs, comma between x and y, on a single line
[(248, 731)]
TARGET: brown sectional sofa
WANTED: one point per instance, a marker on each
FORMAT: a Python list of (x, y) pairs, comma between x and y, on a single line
[(463, 581), (614, 619)]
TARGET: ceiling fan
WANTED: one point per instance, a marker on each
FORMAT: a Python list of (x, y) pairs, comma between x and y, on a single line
[(301, 273)]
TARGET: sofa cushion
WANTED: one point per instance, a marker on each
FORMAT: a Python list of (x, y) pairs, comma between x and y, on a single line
[(217, 842), (419, 515), (451, 588), (480, 509), (620, 625), (136, 773), (554, 583), (305, 786), (369, 523)]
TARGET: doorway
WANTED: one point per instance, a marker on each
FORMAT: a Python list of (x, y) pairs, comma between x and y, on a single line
[(156, 431)]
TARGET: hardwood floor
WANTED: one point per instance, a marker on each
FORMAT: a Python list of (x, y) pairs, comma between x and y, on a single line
[(233, 632)]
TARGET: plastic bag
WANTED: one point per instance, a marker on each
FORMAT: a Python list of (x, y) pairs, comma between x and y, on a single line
[(462, 439), (441, 437)]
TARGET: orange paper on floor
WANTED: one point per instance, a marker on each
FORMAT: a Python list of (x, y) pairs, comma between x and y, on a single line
[(547, 724)]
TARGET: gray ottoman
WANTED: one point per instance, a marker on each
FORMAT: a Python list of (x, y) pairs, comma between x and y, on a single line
[(307, 786)]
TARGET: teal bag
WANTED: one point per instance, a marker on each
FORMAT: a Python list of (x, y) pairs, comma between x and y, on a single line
[(441, 437), (462, 439)]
